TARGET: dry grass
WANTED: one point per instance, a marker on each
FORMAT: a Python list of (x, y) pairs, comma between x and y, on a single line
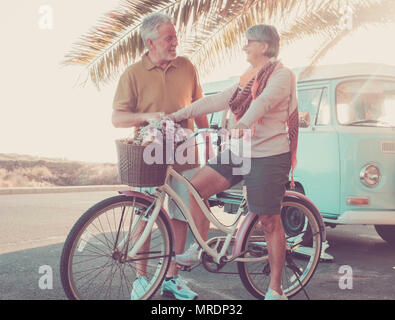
[(27, 171)]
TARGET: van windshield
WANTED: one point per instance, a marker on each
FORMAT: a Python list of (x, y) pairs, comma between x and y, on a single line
[(366, 103)]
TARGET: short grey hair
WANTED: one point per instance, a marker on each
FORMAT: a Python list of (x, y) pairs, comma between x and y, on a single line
[(265, 33), (150, 25)]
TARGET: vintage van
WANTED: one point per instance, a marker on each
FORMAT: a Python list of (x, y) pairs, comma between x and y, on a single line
[(346, 148)]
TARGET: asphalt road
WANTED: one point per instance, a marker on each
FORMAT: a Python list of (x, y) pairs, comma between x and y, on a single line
[(34, 227)]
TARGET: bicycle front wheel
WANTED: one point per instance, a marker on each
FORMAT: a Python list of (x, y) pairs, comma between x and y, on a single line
[(95, 264), (303, 239)]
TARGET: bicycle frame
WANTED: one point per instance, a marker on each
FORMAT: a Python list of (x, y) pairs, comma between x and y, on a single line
[(167, 189), (147, 209), (229, 231)]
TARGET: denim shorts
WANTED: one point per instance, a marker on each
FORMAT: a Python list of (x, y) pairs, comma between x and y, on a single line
[(265, 180)]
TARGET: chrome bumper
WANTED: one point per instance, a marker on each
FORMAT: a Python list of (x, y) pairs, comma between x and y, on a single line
[(365, 217)]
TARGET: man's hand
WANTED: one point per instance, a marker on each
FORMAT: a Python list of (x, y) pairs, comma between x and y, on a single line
[(126, 119), (171, 117), (237, 131), (151, 116)]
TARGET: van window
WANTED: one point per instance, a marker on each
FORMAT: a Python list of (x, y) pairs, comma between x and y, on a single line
[(324, 112), (215, 118), (309, 101), (369, 102)]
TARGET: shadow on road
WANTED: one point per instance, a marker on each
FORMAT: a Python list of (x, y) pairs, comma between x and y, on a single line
[(371, 260), (19, 274)]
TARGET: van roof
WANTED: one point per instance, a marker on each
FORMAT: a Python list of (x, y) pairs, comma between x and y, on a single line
[(318, 73), (345, 70), (217, 86)]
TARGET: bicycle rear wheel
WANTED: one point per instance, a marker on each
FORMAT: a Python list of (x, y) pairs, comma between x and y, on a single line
[(94, 262), (303, 251)]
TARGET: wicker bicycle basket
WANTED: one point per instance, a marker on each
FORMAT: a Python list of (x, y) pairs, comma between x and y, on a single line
[(132, 169)]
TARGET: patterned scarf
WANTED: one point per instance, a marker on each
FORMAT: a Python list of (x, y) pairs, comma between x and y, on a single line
[(241, 101)]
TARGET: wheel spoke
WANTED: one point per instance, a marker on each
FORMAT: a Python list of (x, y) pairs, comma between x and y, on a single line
[(303, 240), (94, 267)]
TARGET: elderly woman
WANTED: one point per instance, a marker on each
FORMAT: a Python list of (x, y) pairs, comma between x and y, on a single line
[(264, 101)]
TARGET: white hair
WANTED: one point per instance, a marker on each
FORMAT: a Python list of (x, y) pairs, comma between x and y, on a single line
[(150, 25), (268, 34)]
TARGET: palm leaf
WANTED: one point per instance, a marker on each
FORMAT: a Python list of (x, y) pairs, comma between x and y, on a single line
[(211, 31), (365, 14)]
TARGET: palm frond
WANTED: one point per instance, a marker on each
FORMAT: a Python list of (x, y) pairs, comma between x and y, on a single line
[(211, 31), (115, 42), (366, 14), (226, 33)]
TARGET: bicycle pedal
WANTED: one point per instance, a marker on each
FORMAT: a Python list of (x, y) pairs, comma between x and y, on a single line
[(184, 268), (187, 268)]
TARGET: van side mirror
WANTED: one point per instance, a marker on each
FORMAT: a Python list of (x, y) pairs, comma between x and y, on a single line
[(304, 119)]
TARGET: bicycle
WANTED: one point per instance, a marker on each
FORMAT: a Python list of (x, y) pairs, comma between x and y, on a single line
[(106, 245)]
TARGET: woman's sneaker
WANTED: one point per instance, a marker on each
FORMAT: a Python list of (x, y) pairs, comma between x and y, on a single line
[(139, 288), (274, 295), (177, 288), (189, 257)]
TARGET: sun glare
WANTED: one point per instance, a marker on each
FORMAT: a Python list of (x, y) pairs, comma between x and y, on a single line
[(51, 118)]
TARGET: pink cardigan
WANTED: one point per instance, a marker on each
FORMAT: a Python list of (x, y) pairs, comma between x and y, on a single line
[(272, 106)]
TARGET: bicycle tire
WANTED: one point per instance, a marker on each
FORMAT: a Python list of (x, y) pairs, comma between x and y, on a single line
[(254, 244), (115, 277)]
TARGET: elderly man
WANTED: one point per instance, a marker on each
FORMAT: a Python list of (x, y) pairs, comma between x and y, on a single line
[(161, 83)]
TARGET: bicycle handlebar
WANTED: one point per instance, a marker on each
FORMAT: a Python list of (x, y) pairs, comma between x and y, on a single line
[(214, 128)]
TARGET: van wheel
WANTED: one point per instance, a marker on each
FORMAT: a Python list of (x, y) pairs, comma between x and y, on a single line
[(386, 232), (294, 221), (298, 188)]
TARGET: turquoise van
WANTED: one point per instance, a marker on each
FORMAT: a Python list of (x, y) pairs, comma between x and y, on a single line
[(346, 148)]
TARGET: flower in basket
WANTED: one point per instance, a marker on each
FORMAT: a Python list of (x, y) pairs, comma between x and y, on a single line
[(162, 131)]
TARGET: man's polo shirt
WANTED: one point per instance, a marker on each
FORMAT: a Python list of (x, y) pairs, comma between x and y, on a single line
[(145, 88)]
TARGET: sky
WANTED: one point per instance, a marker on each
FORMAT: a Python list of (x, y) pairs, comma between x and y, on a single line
[(43, 112)]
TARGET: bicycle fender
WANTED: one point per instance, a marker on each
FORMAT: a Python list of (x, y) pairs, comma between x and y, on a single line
[(251, 217), (312, 207), (131, 193), (248, 220)]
